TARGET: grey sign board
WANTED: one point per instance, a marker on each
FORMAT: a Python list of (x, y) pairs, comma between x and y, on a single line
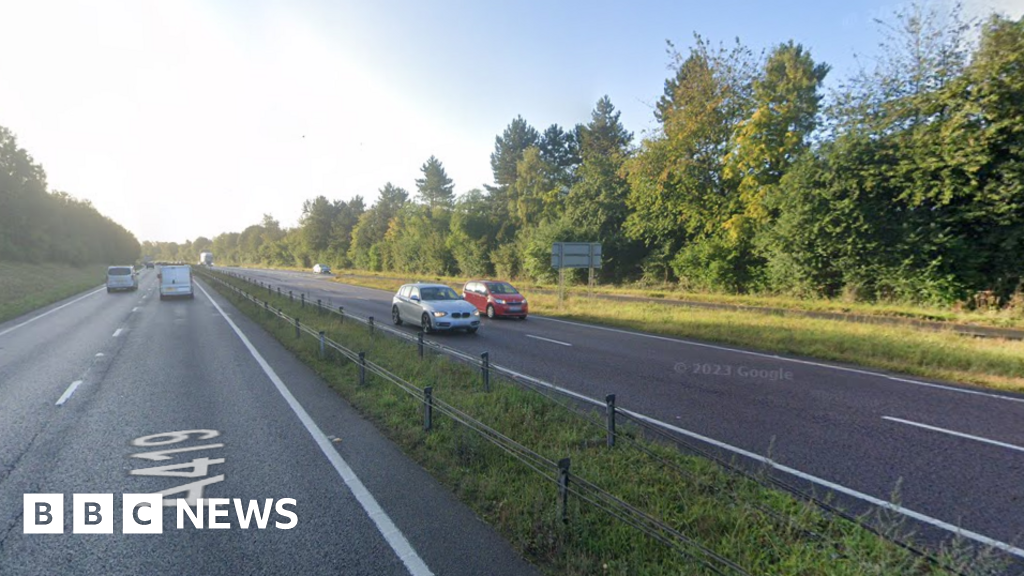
[(575, 255)]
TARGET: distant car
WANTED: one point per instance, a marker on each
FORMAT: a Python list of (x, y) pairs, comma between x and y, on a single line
[(321, 269), (434, 307), (496, 299), (149, 264), (176, 281), (121, 278)]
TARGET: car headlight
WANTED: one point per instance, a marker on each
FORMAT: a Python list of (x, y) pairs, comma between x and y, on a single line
[(440, 314), (476, 312), (499, 300), (524, 302)]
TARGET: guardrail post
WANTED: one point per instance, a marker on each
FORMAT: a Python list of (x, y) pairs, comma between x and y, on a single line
[(609, 402), (419, 342), (428, 408), (370, 322), (563, 489), (266, 307), (269, 290), (341, 314), (303, 300), (297, 327), (362, 368), (278, 291), (321, 344), (291, 297), (319, 308), (485, 370)]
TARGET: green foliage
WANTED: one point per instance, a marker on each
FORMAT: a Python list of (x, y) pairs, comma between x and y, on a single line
[(37, 225), (907, 186)]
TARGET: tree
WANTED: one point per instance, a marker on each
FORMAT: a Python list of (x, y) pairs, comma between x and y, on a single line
[(435, 188), (372, 226)]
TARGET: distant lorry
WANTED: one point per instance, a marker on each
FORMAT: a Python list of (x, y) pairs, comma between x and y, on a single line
[(206, 259)]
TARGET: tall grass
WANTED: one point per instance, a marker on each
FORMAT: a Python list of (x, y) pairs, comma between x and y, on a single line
[(761, 530), (26, 286)]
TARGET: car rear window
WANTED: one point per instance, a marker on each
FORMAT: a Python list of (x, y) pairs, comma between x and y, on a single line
[(119, 271)]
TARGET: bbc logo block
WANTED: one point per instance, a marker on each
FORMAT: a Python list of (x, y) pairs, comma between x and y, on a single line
[(93, 514)]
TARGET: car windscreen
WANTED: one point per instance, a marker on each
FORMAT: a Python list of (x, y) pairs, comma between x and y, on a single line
[(438, 293), (502, 288), (119, 271)]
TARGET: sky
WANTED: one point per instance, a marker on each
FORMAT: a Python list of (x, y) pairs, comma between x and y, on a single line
[(187, 118)]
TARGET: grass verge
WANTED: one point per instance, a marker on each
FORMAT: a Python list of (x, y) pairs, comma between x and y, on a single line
[(942, 355), (26, 286), (758, 529), (992, 318)]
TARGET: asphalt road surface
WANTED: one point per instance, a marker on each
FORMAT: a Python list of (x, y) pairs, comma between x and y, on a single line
[(126, 394), (954, 455)]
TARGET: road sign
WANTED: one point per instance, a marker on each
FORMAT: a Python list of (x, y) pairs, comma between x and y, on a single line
[(576, 255)]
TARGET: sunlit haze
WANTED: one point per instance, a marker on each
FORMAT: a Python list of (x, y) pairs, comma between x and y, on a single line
[(184, 118)]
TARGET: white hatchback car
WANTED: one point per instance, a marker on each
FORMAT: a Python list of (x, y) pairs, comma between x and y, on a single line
[(434, 307)]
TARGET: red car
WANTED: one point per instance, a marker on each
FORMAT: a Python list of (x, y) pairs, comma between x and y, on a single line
[(495, 298)]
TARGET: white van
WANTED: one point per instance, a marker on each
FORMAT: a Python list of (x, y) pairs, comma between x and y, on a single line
[(176, 281), (121, 278)]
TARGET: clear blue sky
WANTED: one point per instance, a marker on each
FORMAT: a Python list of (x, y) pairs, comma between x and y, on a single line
[(184, 118)]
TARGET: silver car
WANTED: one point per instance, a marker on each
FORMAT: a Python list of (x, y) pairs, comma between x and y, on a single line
[(434, 307)]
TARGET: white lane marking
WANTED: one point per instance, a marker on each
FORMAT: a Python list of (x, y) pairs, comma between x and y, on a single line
[(981, 538), (136, 309), (955, 433), (67, 393), (387, 528), (784, 359), (117, 333), (794, 472), (548, 340), (99, 354), (48, 312)]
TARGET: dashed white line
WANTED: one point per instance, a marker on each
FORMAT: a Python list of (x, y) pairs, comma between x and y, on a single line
[(784, 359), (136, 309), (1019, 552), (67, 393), (48, 312), (398, 542), (99, 354), (955, 433), (548, 340), (117, 332)]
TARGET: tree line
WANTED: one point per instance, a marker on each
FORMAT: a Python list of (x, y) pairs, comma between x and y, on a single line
[(39, 225), (904, 183)]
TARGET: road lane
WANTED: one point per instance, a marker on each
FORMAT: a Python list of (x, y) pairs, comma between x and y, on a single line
[(820, 419), (180, 366)]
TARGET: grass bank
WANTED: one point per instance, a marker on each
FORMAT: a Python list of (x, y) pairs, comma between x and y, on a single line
[(26, 286), (723, 514), (941, 355)]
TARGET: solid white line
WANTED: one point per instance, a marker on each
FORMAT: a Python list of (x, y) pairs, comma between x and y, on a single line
[(784, 359), (794, 472), (955, 433), (387, 528), (67, 393), (548, 340), (117, 333), (1019, 552), (48, 312)]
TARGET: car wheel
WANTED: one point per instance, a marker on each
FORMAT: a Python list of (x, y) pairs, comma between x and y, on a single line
[(192, 296), (471, 330), (109, 290), (490, 311), (522, 317), (162, 297), (425, 323), (395, 316)]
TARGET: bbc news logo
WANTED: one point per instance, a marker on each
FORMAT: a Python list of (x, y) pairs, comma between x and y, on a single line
[(143, 513)]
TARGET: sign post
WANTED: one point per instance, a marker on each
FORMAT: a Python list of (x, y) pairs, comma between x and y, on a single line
[(575, 255)]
